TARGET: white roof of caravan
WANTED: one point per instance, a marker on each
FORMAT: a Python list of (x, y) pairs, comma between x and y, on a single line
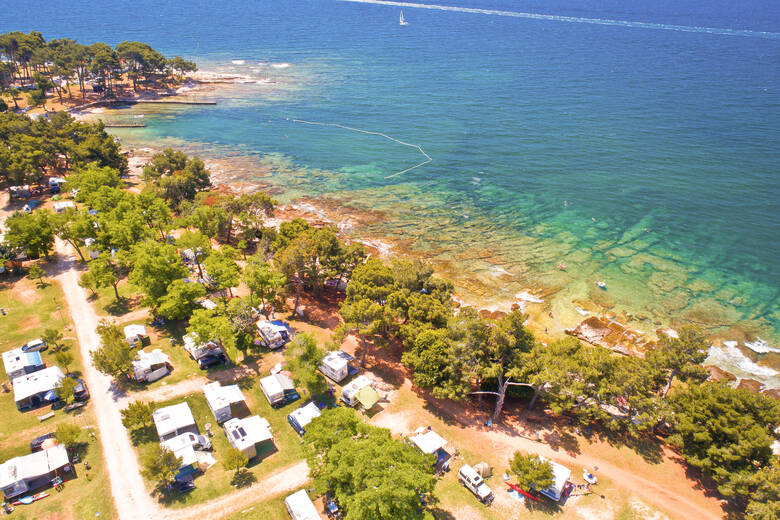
[(170, 418), (221, 396), (33, 465), (135, 330), (17, 359), (180, 441), (428, 442), (64, 204), (37, 382), (276, 384), (305, 414), (247, 431), (336, 359), (561, 475), (147, 359), (301, 507), (356, 384)]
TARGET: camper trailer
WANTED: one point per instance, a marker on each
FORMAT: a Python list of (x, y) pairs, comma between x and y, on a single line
[(33, 390), (225, 402), (19, 363), (172, 421), (198, 349), (273, 334), (301, 417), (36, 470), (300, 506), (151, 366), (250, 435), (335, 365), (135, 335), (361, 392), (278, 389)]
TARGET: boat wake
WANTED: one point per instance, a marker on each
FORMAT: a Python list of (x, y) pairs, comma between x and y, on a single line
[(419, 148), (578, 19)]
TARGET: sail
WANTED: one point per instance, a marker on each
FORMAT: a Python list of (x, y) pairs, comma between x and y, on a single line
[(402, 21)]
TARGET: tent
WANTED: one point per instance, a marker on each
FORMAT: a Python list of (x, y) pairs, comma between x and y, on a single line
[(484, 469), (367, 397)]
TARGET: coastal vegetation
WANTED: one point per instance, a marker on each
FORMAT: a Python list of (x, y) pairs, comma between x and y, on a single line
[(453, 352), (30, 63)]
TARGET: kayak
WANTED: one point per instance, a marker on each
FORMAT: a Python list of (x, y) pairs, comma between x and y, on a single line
[(30, 499)]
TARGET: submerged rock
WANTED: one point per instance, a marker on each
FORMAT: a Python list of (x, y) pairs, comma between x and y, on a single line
[(751, 385), (718, 374)]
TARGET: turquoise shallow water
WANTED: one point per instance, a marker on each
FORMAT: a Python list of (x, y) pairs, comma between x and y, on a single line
[(644, 155)]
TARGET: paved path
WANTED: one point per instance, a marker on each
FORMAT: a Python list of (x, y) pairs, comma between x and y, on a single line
[(131, 498)]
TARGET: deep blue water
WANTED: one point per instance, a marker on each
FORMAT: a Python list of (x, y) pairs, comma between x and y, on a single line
[(669, 139)]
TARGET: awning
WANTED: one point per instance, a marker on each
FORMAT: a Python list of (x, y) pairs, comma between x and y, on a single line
[(367, 397)]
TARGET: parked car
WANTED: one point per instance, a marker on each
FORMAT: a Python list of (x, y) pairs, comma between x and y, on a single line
[(185, 486), (80, 391), (36, 345), (36, 443), (211, 360), (470, 479)]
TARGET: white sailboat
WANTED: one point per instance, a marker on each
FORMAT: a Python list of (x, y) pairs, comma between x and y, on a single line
[(402, 21)]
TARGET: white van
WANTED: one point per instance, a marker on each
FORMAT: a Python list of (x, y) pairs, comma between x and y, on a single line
[(470, 479)]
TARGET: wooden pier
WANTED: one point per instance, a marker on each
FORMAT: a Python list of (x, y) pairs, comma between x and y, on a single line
[(123, 125)]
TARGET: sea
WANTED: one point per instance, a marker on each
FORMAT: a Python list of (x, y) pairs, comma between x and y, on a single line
[(637, 143)]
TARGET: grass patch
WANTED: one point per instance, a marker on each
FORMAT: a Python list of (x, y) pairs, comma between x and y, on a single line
[(273, 509), (105, 301)]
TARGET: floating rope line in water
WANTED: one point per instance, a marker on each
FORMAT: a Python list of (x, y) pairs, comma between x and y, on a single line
[(418, 147)]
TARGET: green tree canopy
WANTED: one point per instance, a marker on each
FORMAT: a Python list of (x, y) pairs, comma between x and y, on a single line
[(31, 232), (725, 432), (371, 474), (222, 269), (155, 267), (138, 414), (113, 358), (160, 465), (531, 471), (265, 282), (68, 433), (180, 300), (206, 326), (303, 359)]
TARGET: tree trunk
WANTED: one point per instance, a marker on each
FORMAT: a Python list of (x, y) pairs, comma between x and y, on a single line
[(116, 292), (78, 250), (365, 350), (297, 296), (200, 270), (533, 399), (669, 384), (502, 385)]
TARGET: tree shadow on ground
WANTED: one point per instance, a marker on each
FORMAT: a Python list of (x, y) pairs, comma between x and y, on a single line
[(441, 514), (243, 478), (649, 447), (170, 496), (143, 435), (118, 307)]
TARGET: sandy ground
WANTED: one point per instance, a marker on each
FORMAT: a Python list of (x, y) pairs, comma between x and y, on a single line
[(132, 500)]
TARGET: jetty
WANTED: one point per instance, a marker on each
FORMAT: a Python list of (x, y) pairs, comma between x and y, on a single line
[(109, 124)]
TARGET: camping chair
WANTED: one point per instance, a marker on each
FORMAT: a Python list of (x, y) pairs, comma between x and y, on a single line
[(57, 483)]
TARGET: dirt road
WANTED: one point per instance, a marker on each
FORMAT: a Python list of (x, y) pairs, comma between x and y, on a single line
[(131, 498)]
